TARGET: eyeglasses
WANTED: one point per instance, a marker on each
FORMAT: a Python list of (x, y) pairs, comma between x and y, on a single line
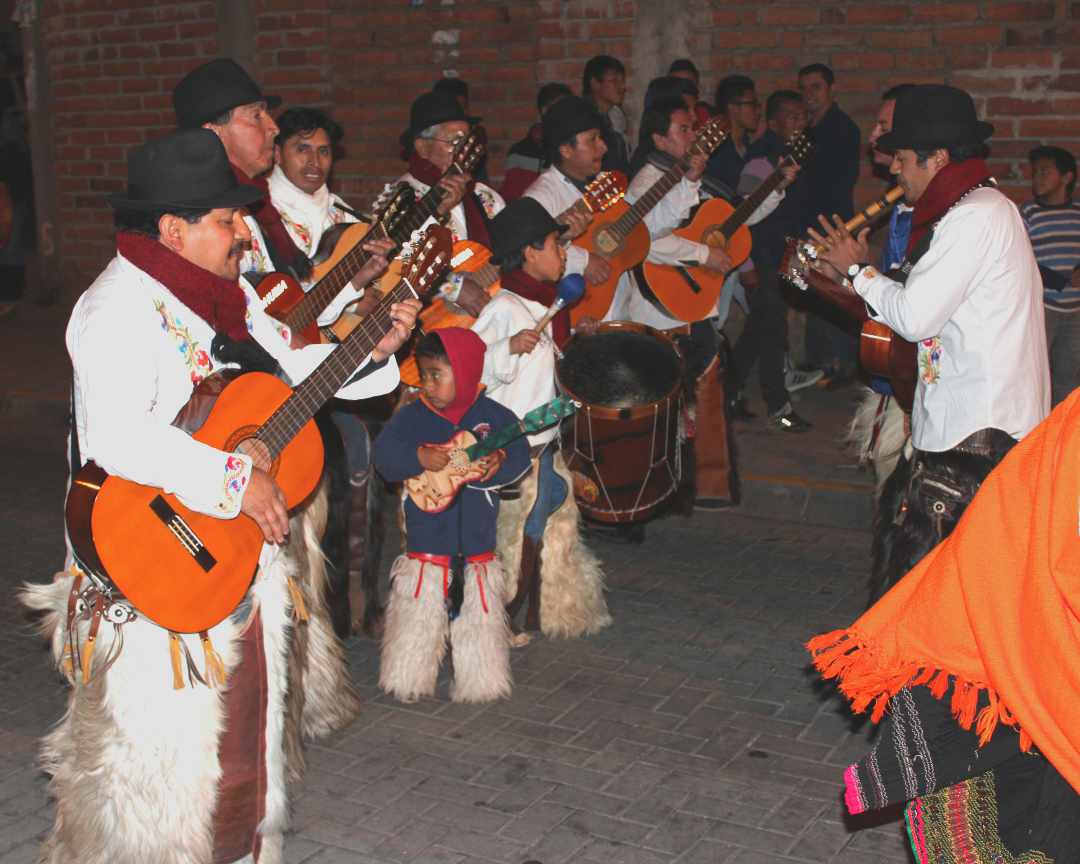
[(449, 142)]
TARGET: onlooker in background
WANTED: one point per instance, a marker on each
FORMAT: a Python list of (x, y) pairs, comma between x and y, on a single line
[(17, 235), (671, 87), (604, 85), (683, 68), (525, 159), (1053, 224), (459, 89), (831, 176)]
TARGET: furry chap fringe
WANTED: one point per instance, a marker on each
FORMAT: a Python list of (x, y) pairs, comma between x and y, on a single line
[(877, 434), (571, 578), (418, 630)]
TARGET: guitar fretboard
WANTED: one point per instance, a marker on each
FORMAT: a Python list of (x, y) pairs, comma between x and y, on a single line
[(751, 202), (626, 223)]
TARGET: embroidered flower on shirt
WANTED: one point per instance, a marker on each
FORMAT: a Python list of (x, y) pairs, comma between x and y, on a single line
[(487, 201), (302, 232), (930, 360), (235, 483), (195, 358)]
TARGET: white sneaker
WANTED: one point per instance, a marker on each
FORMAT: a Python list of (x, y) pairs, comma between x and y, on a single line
[(797, 379)]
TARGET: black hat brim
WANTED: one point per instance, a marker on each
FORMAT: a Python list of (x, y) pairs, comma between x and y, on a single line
[(239, 196), (497, 260), (898, 140)]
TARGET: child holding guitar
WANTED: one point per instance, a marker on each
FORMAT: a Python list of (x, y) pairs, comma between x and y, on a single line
[(448, 584), (540, 528)]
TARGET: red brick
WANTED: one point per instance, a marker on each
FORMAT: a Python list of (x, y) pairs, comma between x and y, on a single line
[(941, 12), (985, 34), (1050, 127), (1040, 10), (1008, 106), (873, 13), (790, 16)]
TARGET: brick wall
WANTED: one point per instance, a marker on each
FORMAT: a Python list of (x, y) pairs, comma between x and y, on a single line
[(113, 64)]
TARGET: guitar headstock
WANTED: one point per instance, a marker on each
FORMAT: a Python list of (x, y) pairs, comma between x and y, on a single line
[(605, 190), (467, 153), (391, 208), (429, 257), (799, 146), (710, 136)]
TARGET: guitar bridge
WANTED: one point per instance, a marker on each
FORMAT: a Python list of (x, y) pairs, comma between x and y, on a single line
[(183, 533)]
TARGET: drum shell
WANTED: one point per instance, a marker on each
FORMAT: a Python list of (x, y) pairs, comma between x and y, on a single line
[(624, 460)]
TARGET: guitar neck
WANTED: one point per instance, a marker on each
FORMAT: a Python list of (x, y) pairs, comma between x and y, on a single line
[(752, 201), (304, 313), (535, 421), (329, 376), (640, 208), (423, 209)]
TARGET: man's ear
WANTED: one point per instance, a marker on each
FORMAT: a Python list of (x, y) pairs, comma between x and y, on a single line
[(215, 129), (170, 231), (567, 150), (1068, 178)]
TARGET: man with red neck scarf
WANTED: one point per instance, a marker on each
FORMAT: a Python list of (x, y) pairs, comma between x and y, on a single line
[(437, 121), (968, 293), (519, 371), (163, 315)]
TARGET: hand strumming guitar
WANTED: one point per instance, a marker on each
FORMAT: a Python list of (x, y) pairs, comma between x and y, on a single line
[(454, 184), (524, 342), (490, 464), (404, 317), (718, 261), (597, 270), (264, 502), (432, 458)]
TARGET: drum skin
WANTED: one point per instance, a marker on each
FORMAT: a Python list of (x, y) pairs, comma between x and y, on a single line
[(623, 457)]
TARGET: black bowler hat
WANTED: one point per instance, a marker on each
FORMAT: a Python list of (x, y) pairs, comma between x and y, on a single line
[(521, 222), (566, 118), (929, 116), (210, 90), (188, 169), (432, 108)]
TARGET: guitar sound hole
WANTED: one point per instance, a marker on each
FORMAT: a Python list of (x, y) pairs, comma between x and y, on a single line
[(257, 450), (606, 242)]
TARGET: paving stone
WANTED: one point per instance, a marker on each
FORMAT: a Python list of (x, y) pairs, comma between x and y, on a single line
[(603, 851), (558, 845), (598, 825), (536, 822), (586, 799)]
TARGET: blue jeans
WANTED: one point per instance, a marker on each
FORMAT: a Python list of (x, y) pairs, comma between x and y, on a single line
[(551, 491)]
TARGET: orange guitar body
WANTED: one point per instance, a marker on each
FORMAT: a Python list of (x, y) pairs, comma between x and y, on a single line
[(692, 296), (128, 532), (285, 292), (434, 491), (620, 255), (884, 353)]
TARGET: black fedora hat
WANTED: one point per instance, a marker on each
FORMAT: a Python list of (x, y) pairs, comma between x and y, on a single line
[(566, 118), (188, 170), (208, 91), (521, 222), (929, 116), (432, 108)]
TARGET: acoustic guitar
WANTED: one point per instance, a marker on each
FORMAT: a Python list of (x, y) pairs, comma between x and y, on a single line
[(689, 293), (185, 570), (619, 234), (434, 491), (474, 259), (882, 352), (340, 257)]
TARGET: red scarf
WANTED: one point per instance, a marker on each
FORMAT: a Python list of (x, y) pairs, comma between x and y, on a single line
[(476, 221), (219, 302), (949, 185), (465, 351), (283, 252), (522, 284)]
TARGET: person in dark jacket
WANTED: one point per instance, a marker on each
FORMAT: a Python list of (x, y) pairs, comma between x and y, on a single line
[(449, 585)]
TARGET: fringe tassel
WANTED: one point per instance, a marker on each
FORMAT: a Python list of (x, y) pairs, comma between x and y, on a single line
[(67, 664), (177, 666), (864, 680), (88, 657), (215, 666), (299, 607)]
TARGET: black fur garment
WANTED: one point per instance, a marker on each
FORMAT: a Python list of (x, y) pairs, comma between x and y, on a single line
[(921, 503), (248, 354)]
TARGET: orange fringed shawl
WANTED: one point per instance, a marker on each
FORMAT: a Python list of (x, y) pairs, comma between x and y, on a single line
[(995, 608)]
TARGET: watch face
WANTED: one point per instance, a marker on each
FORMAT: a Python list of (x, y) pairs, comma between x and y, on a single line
[(853, 270)]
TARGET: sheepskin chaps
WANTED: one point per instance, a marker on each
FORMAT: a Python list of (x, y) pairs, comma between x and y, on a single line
[(134, 762), (877, 434), (418, 631), (571, 578)]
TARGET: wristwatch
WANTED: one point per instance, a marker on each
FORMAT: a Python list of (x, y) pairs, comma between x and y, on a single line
[(855, 269)]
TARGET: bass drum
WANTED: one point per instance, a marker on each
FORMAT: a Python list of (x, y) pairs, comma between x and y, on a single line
[(622, 445)]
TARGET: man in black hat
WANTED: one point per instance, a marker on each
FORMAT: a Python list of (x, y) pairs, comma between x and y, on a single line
[(968, 293), (166, 313), (575, 149), (222, 97), (437, 121)]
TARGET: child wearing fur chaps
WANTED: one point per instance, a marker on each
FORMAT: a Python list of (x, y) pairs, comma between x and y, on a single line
[(539, 536), (448, 586)]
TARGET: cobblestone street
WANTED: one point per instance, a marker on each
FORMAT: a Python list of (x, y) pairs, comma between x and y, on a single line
[(689, 731)]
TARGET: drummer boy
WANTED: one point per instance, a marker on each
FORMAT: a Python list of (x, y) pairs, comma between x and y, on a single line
[(538, 533)]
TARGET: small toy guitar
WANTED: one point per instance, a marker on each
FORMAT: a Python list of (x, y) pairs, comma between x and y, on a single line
[(434, 491)]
